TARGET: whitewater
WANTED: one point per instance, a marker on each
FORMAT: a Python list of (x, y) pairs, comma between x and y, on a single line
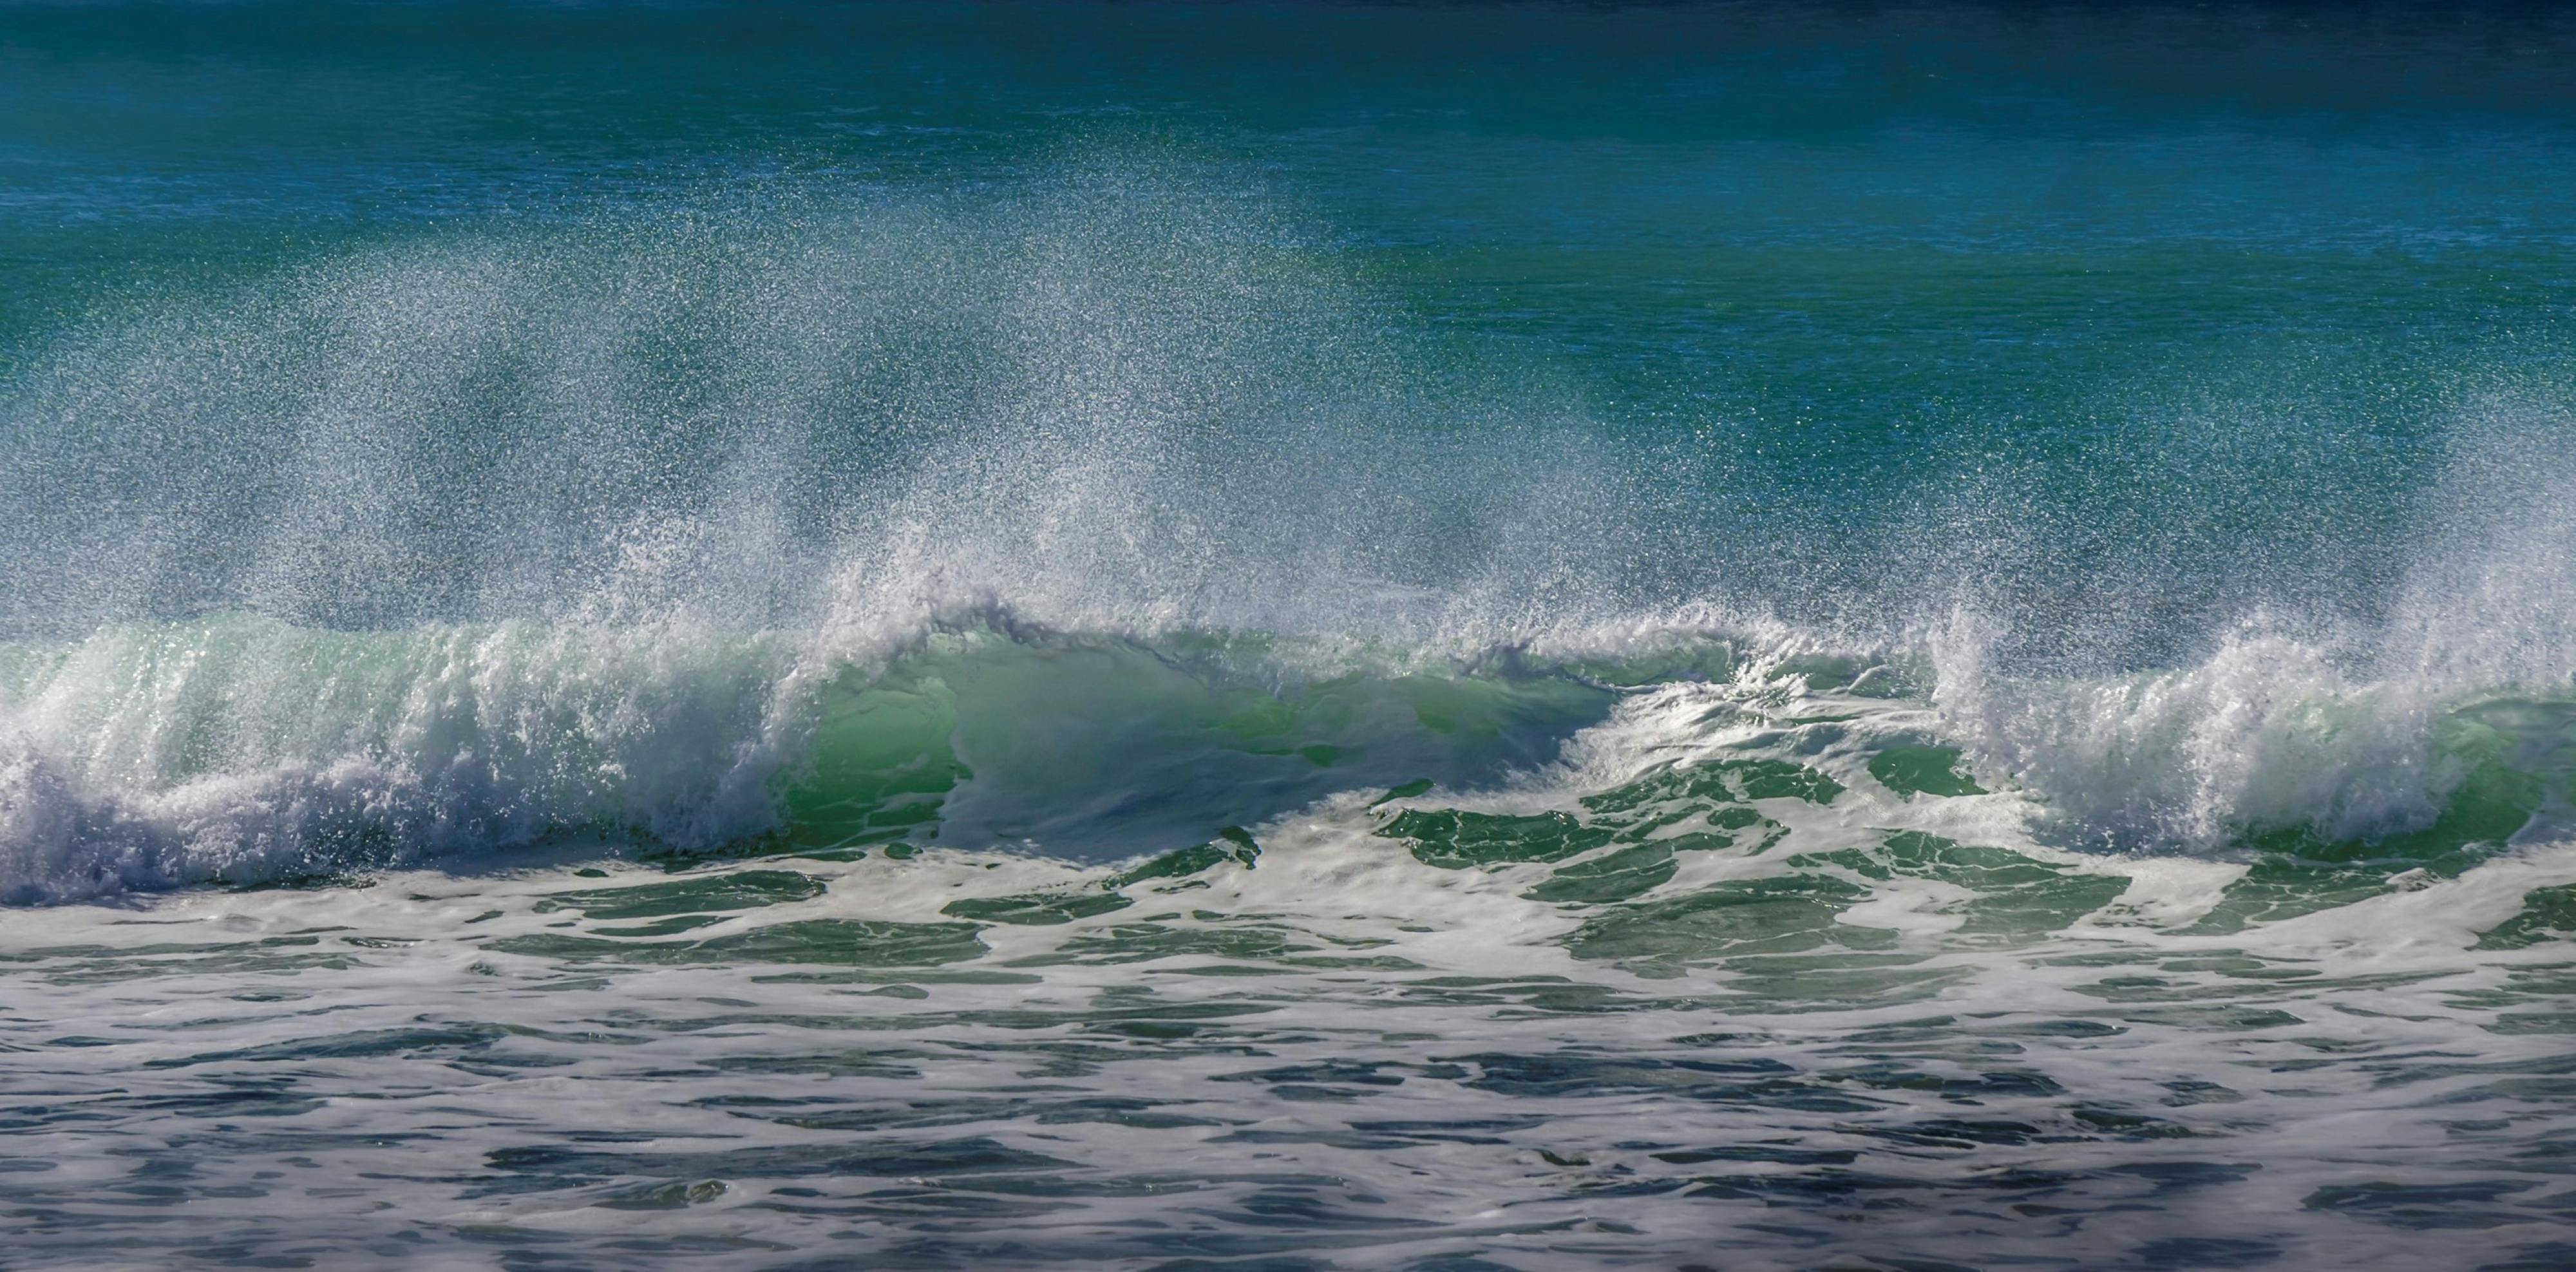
[(945, 655)]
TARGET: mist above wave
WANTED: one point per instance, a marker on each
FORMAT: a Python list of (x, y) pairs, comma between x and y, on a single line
[(1107, 397), (2353, 729)]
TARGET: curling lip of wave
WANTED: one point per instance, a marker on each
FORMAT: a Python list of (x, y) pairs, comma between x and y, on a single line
[(156, 755), (159, 754)]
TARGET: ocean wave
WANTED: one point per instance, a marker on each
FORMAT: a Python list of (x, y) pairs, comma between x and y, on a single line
[(237, 748), (1084, 515)]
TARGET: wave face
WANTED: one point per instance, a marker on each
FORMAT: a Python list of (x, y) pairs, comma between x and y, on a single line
[(244, 750)]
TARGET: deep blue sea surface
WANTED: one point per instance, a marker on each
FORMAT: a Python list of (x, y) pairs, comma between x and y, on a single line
[(1432, 637)]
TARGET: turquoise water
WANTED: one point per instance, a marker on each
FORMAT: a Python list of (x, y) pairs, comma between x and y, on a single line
[(1170, 636)]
